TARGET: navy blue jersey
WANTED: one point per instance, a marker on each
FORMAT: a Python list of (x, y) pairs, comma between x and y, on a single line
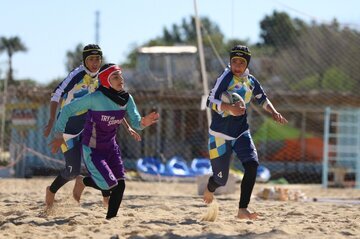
[(224, 125)]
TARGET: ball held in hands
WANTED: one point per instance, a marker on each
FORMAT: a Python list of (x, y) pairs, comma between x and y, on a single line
[(231, 97)]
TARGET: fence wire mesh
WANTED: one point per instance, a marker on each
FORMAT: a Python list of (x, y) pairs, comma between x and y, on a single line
[(302, 74)]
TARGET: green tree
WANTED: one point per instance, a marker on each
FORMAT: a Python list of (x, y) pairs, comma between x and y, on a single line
[(232, 42), (309, 83), (335, 79), (74, 58), (184, 34), (11, 46), (320, 51), (279, 30)]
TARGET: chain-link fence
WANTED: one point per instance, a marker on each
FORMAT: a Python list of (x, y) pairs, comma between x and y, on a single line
[(316, 68)]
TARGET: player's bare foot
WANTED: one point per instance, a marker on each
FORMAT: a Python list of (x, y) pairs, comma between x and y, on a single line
[(208, 196), (106, 201), (78, 188), (245, 213), (49, 197)]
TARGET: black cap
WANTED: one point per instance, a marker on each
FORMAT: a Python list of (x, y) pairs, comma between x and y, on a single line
[(241, 51), (90, 50)]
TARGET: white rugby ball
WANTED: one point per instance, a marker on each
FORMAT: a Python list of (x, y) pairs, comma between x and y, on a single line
[(231, 98)]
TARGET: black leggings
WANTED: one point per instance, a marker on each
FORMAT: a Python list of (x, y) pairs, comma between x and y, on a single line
[(116, 195), (247, 183), (60, 181)]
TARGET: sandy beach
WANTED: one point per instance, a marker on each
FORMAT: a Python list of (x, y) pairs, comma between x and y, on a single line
[(174, 210)]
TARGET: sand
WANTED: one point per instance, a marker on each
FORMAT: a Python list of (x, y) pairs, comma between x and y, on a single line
[(174, 210)]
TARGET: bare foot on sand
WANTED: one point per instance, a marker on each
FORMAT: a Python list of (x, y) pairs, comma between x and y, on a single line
[(78, 188), (208, 196), (106, 202), (49, 197), (245, 213)]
